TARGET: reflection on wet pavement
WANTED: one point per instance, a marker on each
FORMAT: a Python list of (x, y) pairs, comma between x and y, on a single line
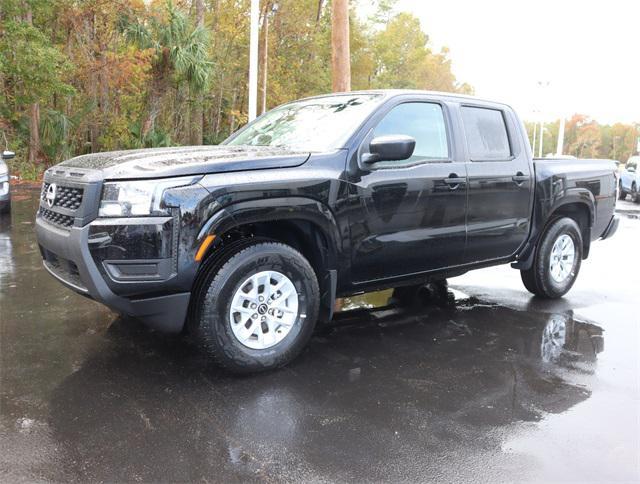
[(397, 393)]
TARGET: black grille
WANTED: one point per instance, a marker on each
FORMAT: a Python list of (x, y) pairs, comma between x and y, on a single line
[(56, 218), (66, 197)]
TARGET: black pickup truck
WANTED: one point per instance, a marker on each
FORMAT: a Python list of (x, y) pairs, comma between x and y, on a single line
[(248, 244)]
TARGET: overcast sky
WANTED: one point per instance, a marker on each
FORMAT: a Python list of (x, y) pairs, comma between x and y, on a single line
[(588, 51)]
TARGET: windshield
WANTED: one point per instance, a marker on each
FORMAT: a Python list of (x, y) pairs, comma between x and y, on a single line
[(319, 124)]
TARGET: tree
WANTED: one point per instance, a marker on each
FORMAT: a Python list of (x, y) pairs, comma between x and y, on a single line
[(404, 60), (180, 53), (117, 74), (34, 70), (586, 138)]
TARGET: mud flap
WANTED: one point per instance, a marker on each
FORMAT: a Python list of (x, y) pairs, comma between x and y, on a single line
[(328, 296)]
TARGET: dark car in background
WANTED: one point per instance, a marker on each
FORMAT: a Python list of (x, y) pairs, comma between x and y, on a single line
[(5, 189)]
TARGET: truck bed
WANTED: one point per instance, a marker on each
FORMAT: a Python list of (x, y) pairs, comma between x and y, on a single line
[(558, 178)]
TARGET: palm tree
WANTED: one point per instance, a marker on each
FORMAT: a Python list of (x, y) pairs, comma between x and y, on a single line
[(180, 51)]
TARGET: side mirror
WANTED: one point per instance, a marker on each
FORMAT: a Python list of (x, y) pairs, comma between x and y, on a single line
[(393, 147), (7, 155)]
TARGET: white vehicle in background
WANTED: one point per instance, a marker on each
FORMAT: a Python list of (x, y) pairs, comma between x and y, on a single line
[(630, 180), (5, 191)]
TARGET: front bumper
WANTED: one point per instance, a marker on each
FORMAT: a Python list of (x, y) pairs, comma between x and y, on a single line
[(67, 257), (611, 228)]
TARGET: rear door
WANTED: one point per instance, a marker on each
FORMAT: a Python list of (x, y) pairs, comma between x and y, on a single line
[(500, 183)]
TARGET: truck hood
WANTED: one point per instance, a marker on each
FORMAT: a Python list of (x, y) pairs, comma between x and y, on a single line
[(184, 160)]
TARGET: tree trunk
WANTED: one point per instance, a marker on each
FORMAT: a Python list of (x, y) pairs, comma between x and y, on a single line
[(264, 48), (216, 129), (34, 112), (34, 132), (159, 87), (197, 117), (232, 120), (319, 12), (95, 112), (340, 53), (154, 102)]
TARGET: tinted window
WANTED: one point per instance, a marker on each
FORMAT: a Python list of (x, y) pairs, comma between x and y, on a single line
[(422, 121), (486, 134)]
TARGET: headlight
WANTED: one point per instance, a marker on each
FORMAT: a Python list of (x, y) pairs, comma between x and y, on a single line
[(137, 198)]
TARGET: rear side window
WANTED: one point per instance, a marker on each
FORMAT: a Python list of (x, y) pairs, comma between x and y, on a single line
[(424, 122), (486, 133)]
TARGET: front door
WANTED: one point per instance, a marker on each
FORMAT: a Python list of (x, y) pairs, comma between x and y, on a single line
[(409, 216)]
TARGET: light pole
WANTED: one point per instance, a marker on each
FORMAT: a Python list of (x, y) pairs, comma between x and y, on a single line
[(253, 59), (542, 85), (265, 53), (614, 146), (535, 135), (560, 147)]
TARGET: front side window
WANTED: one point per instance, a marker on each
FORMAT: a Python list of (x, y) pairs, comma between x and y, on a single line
[(425, 123), (486, 133), (318, 124)]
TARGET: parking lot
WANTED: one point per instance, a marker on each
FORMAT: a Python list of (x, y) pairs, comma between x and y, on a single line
[(488, 384)]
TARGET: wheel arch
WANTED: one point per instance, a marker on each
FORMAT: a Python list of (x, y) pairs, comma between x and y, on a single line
[(304, 224), (577, 205), (581, 210)]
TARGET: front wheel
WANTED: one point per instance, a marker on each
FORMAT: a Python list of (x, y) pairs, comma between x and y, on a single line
[(635, 196), (259, 309), (557, 260)]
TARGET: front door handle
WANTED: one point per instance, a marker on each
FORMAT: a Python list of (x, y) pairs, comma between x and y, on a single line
[(454, 181), (519, 178)]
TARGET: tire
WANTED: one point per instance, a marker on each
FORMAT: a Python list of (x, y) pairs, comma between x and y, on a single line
[(635, 196), (540, 279), (221, 320), (406, 295), (529, 281), (621, 193), (5, 208), (418, 295)]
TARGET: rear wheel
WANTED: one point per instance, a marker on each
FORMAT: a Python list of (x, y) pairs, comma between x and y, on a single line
[(635, 196), (621, 193), (557, 260), (258, 311)]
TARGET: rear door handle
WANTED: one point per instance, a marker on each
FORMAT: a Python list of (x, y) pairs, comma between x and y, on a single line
[(454, 181), (519, 178)]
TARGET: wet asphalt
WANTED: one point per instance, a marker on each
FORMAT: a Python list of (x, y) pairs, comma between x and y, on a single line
[(488, 384)]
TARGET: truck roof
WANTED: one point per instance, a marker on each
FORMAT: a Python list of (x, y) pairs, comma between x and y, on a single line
[(389, 93)]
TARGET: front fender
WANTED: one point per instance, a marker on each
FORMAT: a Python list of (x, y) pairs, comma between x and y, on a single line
[(281, 209), (273, 209)]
